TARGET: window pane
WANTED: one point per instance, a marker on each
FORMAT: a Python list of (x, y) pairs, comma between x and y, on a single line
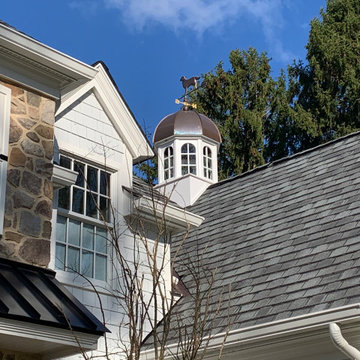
[(78, 167), (60, 257), (91, 209), (87, 266), (171, 162), (88, 236), (192, 159), (74, 232), (184, 159), (78, 201), (101, 240), (184, 170), (104, 183), (105, 208), (92, 179), (209, 163), (65, 162), (166, 152), (191, 148), (73, 259), (193, 170), (171, 172), (64, 198), (166, 174), (61, 229), (166, 163), (184, 148), (100, 267)]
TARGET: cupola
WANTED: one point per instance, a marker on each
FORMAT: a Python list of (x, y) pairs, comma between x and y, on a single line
[(187, 144)]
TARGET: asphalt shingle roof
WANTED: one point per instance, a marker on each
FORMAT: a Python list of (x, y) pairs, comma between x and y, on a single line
[(285, 236)]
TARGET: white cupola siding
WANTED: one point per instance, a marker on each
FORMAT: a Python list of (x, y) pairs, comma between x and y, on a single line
[(187, 144)]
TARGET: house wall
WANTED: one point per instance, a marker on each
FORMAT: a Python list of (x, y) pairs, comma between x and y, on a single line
[(10, 355), (29, 191)]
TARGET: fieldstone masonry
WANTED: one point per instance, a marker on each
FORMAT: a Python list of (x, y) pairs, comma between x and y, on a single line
[(29, 192)]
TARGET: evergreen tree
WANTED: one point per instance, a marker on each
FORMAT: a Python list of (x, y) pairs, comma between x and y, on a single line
[(237, 100), (329, 85)]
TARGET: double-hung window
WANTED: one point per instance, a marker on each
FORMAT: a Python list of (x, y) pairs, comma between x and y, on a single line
[(83, 221)]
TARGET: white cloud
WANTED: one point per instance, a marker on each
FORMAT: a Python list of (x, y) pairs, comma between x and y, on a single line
[(195, 15), (200, 16)]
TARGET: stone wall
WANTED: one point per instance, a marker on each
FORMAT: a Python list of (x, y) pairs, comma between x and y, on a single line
[(29, 192)]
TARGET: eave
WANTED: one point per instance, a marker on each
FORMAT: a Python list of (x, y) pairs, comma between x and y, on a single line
[(174, 217), (117, 111), (49, 342), (39, 67), (301, 337)]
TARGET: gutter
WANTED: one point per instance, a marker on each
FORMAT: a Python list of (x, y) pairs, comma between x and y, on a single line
[(277, 331), (340, 342)]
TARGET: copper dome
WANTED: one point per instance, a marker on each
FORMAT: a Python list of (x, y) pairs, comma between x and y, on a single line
[(186, 122)]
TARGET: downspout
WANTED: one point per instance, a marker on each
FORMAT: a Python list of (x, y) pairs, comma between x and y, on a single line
[(340, 342)]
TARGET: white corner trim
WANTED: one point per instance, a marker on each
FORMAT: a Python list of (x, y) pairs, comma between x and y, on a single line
[(117, 111), (5, 98), (63, 177)]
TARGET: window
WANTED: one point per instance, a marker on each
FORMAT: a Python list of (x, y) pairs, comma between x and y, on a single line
[(168, 163), (207, 162), (5, 95), (81, 248), (83, 208), (188, 159)]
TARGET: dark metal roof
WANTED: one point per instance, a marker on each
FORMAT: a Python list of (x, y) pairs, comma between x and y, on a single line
[(32, 294), (285, 236), (186, 122)]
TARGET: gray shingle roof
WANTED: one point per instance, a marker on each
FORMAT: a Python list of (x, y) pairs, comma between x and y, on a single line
[(286, 236)]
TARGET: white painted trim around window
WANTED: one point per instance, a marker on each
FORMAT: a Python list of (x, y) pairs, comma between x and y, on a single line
[(5, 97)]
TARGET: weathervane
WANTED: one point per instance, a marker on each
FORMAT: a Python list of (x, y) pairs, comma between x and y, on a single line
[(186, 83)]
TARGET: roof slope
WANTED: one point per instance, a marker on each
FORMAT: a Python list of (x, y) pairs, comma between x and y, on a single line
[(285, 236), (32, 294)]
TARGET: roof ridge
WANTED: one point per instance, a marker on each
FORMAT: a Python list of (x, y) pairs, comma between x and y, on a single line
[(284, 159)]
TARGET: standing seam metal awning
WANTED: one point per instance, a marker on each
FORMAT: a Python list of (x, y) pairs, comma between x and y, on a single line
[(32, 294)]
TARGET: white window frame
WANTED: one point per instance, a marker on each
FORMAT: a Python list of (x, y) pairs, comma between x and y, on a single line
[(68, 276), (5, 101), (168, 163), (207, 162), (187, 154)]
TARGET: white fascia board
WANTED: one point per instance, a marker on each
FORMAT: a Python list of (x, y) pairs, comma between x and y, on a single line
[(276, 330), (51, 337), (38, 66), (117, 111), (37, 51), (174, 216)]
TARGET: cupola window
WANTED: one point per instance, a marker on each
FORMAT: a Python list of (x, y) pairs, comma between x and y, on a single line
[(207, 162), (168, 163), (188, 159)]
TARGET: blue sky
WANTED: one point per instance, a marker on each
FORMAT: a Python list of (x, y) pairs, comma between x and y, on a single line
[(149, 44)]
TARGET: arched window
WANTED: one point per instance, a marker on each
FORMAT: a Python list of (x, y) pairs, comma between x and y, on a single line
[(207, 162), (168, 163), (188, 159)]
